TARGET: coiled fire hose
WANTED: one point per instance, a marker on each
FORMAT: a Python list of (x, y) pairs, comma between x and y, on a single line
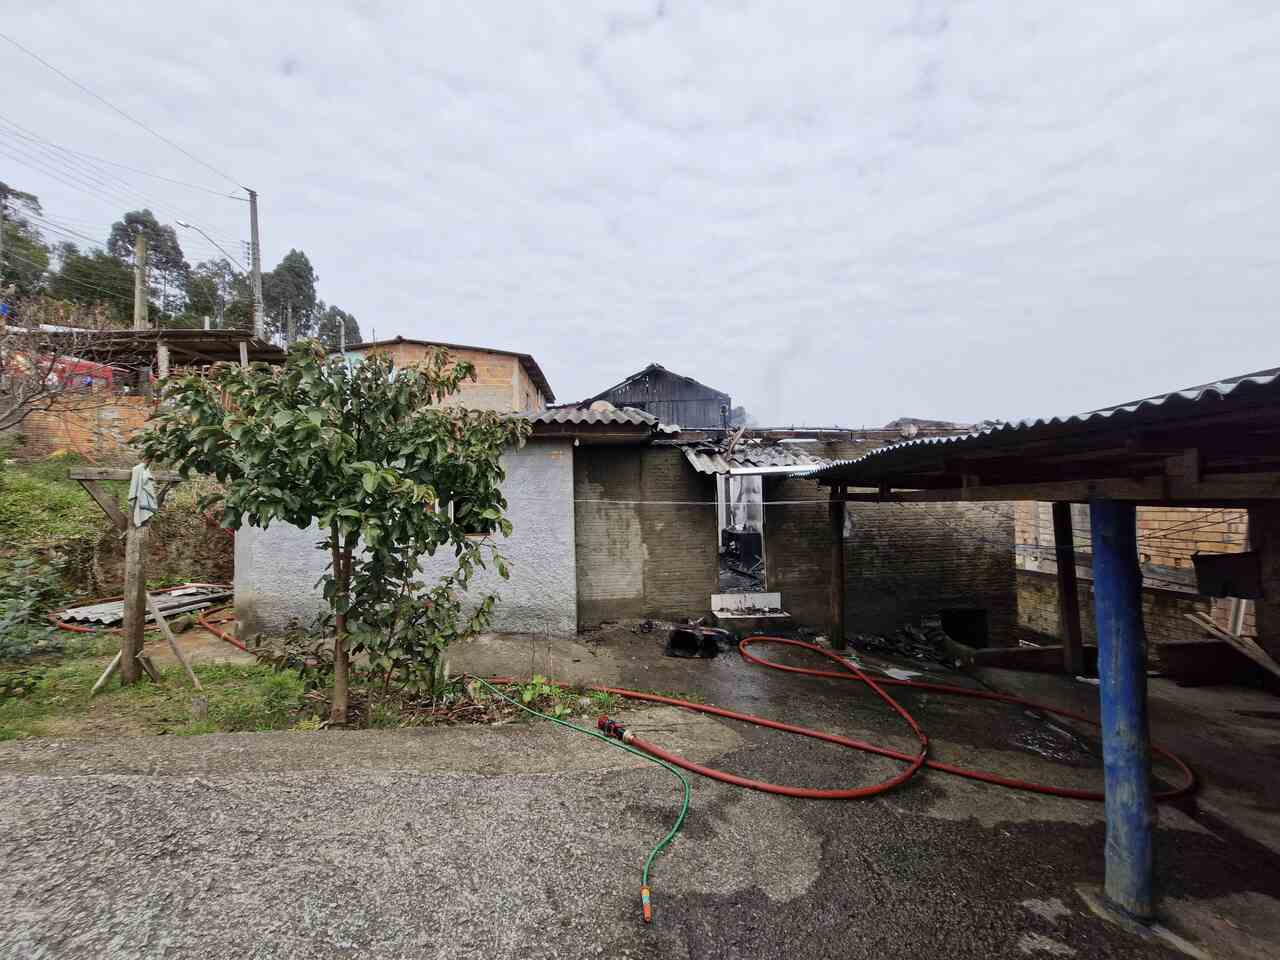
[(849, 672)]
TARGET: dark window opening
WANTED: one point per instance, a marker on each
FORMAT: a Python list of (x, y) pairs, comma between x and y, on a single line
[(969, 627)]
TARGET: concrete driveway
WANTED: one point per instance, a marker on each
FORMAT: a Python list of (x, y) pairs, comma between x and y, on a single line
[(527, 841)]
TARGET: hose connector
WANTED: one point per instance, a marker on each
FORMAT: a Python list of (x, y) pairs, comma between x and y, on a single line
[(612, 728), (645, 906)]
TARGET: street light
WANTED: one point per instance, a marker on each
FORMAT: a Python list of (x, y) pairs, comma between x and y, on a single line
[(192, 226)]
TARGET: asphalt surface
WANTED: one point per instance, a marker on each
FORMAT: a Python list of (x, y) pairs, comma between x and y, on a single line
[(527, 841)]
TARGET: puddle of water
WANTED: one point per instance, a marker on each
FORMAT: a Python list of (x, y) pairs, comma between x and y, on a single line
[(901, 674)]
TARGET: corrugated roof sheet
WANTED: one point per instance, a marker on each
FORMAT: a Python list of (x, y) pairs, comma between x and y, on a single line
[(1158, 407), (710, 457), (574, 415)]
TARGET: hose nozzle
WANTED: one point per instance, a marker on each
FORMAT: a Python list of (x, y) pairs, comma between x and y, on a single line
[(645, 906)]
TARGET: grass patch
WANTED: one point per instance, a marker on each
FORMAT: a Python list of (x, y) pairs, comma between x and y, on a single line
[(40, 507), (242, 697)]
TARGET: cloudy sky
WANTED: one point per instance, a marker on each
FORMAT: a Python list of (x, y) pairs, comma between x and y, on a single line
[(953, 210)]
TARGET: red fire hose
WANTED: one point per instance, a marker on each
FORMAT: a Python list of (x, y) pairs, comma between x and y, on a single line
[(914, 760)]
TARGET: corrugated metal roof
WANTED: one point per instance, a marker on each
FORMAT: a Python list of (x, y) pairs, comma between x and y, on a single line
[(710, 458), (1155, 408), (574, 415)]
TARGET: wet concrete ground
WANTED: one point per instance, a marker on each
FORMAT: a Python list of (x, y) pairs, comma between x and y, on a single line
[(526, 841)]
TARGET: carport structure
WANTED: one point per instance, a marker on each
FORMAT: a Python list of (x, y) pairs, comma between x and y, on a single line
[(1213, 445)]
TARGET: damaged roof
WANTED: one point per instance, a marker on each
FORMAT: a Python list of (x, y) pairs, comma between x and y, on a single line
[(749, 456), (576, 415)]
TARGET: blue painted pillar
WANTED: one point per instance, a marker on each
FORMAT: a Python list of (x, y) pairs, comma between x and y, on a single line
[(1122, 675)]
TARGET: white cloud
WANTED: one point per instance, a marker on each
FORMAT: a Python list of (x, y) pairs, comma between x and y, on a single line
[(961, 210)]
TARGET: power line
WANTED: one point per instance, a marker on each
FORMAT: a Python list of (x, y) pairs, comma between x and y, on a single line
[(127, 116), (30, 135), (83, 283)]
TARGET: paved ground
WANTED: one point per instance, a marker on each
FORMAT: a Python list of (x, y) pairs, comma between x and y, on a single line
[(526, 841)]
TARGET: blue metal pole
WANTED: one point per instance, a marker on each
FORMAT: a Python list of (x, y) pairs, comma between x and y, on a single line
[(1122, 675)]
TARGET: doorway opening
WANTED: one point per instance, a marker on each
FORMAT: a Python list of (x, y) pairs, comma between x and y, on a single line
[(740, 507)]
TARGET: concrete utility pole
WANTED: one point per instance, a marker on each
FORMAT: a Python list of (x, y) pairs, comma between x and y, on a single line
[(140, 282), (255, 265), (342, 336), (290, 334)]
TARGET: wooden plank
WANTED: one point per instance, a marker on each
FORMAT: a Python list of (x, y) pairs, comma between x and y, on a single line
[(170, 639), (1243, 644), (107, 503), (106, 674), (1213, 490), (119, 473), (835, 518), (1069, 632)]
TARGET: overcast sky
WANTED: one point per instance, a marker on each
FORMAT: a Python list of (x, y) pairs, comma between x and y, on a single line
[(950, 210)]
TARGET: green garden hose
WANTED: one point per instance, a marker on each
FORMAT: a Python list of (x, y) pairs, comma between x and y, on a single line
[(684, 806)]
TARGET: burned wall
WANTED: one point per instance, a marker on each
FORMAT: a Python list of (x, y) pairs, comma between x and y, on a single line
[(653, 554), (902, 561)]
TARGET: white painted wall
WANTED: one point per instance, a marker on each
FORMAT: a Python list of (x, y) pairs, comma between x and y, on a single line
[(277, 568)]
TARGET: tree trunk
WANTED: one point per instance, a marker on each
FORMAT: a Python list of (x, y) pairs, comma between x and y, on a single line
[(342, 574)]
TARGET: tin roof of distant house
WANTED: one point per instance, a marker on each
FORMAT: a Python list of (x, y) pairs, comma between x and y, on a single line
[(526, 360)]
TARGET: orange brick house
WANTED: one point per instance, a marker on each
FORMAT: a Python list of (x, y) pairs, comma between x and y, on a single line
[(504, 380)]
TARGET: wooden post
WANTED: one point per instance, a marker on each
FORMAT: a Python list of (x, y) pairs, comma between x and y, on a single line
[(135, 601), (244, 354), (1264, 536), (1064, 549), (836, 517), (162, 360)]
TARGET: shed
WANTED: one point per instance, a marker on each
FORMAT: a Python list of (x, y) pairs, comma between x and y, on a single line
[(1215, 444), (669, 396)]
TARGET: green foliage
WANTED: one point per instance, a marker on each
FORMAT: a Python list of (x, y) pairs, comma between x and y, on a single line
[(40, 506), (367, 452), (26, 257), (242, 698), (330, 320), (291, 284), (94, 277), (29, 589)]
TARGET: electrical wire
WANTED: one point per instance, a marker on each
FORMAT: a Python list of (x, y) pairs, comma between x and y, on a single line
[(31, 135), (132, 119)]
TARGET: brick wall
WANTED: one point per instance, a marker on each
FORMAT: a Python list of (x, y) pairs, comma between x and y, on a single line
[(96, 426), (655, 559), (1167, 538), (902, 561), (501, 381)]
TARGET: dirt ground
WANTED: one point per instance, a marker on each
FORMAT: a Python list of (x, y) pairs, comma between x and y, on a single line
[(526, 840)]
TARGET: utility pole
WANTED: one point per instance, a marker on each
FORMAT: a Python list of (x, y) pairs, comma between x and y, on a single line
[(259, 325), (290, 333), (342, 335), (140, 282)]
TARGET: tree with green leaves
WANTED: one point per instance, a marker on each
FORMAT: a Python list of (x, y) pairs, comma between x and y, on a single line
[(291, 285), (367, 452), (165, 258), (333, 319), (26, 257), (93, 278)]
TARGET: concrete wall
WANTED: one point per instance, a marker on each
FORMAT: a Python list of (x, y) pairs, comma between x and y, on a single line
[(653, 559), (902, 561), (276, 569)]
